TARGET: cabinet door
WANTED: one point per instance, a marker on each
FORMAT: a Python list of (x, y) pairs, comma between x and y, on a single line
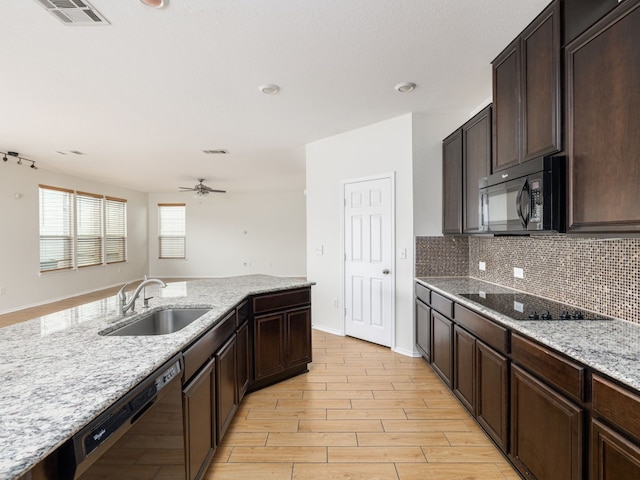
[(603, 74), (476, 145), (226, 386), (199, 420), (464, 367), (423, 329), (452, 183), (298, 337), (546, 430), (242, 359), (268, 345), (442, 351), (540, 89), (613, 457), (506, 107), (492, 400)]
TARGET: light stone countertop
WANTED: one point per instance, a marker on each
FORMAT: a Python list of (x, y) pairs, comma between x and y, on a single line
[(611, 347), (57, 373)]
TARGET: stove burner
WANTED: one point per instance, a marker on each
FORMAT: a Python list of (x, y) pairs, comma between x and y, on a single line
[(522, 306)]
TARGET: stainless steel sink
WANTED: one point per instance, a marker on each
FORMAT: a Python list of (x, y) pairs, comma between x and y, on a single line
[(161, 322)]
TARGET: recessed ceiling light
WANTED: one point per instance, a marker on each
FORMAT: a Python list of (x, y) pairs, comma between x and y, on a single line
[(405, 87), (154, 3), (269, 89)]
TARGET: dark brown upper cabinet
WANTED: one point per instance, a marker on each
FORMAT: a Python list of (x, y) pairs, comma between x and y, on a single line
[(452, 183), (466, 158), (476, 164), (603, 121), (581, 14), (527, 93)]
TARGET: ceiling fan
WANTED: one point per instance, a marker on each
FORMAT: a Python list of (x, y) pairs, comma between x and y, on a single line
[(201, 189)]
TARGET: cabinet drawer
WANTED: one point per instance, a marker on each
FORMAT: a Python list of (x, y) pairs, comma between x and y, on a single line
[(442, 304), (281, 301), (564, 374), (198, 353), (423, 293), (616, 404), (483, 328)]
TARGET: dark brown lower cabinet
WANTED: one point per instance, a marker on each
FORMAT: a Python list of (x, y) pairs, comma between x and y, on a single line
[(464, 378), (242, 359), (613, 457), (481, 383), (423, 329), (298, 337), (226, 386), (492, 387), (282, 344), (442, 351), (546, 430), (269, 340), (198, 398)]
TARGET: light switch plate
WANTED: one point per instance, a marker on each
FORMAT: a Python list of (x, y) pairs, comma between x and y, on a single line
[(482, 266), (518, 272)]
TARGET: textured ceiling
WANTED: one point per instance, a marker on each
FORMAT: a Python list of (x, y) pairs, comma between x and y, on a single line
[(143, 96)]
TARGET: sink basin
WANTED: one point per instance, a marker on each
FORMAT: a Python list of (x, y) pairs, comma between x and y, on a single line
[(161, 322)]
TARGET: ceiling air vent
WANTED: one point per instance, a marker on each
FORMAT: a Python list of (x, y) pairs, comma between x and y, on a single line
[(74, 12), (219, 151)]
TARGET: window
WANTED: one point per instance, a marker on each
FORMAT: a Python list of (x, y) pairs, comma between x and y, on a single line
[(56, 228), (88, 229), (171, 230), (92, 233), (116, 229)]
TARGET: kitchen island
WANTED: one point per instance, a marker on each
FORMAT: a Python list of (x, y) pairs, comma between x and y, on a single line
[(58, 372)]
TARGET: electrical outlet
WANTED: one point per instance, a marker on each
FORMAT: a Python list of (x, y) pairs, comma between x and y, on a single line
[(335, 303), (482, 266), (2, 291), (518, 272)]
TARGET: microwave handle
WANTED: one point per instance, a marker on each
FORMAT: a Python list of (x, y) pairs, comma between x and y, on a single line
[(523, 213)]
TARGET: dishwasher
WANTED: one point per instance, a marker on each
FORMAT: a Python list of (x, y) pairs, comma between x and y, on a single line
[(140, 437)]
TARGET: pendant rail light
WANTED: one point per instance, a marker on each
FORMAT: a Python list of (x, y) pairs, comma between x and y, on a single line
[(19, 160)]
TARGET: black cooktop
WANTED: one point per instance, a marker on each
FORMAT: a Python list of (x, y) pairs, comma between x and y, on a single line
[(522, 306)]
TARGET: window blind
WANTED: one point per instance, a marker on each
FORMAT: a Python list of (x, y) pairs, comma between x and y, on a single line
[(171, 230), (88, 229), (116, 229), (56, 228)]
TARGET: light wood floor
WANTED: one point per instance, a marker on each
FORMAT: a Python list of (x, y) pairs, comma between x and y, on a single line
[(361, 413)]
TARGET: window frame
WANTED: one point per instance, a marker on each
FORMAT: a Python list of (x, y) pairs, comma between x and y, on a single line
[(89, 221), (171, 245), (120, 227), (65, 221)]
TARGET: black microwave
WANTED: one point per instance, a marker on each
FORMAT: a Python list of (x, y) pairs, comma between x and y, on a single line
[(524, 199)]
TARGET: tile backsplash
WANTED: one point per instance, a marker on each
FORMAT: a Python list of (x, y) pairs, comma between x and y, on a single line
[(602, 275)]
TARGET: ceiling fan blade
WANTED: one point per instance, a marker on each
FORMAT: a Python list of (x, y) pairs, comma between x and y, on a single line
[(186, 189)]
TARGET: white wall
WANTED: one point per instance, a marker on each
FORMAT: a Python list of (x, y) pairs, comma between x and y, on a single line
[(235, 234), (410, 146), (428, 133), (378, 149), (24, 286)]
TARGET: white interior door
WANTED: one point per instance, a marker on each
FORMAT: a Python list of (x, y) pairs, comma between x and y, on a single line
[(368, 263)]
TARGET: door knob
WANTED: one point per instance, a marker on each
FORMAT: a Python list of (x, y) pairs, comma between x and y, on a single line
[(385, 271)]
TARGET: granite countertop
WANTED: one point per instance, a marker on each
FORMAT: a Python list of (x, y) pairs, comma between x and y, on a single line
[(611, 347), (57, 373)]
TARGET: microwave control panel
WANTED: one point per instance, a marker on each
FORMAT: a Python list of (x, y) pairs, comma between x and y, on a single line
[(535, 196)]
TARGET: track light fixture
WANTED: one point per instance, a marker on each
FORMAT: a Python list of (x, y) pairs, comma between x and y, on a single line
[(20, 159)]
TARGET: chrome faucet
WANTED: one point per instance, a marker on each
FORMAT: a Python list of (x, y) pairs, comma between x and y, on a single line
[(122, 305)]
